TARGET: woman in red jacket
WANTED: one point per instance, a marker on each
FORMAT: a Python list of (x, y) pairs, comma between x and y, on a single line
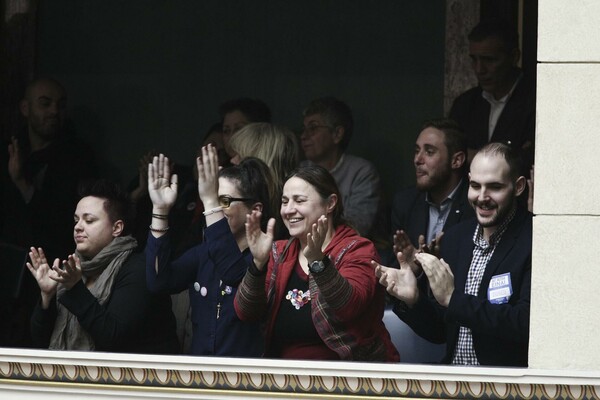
[(317, 290)]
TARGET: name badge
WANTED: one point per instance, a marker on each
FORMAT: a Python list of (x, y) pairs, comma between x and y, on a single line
[(500, 289)]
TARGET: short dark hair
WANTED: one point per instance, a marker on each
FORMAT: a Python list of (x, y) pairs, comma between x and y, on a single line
[(510, 154), (336, 113), (254, 181), (116, 200), (254, 110), (42, 79), (454, 138), (324, 183), (216, 127), (496, 27)]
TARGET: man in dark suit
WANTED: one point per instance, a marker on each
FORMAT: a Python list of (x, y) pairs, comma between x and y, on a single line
[(481, 286), (39, 177), (502, 107), (421, 214)]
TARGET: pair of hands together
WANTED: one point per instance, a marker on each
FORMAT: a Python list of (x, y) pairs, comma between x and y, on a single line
[(260, 242), (402, 283), (48, 277)]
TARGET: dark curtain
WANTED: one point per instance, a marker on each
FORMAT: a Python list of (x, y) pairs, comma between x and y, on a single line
[(17, 61)]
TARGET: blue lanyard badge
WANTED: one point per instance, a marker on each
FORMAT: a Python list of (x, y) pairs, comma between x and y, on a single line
[(500, 289)]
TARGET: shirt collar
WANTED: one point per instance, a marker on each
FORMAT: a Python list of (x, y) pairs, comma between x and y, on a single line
[(490, 97), (496, 236), (340, 161), (450, 197)]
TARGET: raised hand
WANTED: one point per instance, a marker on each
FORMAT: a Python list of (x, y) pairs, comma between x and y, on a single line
[(162, 187), (15, 170), (15, 161), (142, 189), (440, 276), (259, 242), (208, 176), (315, 239), (43, 274), (400, 283)]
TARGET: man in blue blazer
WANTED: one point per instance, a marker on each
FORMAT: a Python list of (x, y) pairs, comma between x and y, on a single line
[(481, 284), (439, 199)]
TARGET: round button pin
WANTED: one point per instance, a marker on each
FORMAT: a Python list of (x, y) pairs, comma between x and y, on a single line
[(203, 291), (196, 286)]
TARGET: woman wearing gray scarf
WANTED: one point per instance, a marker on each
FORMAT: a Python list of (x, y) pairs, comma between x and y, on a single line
[(96, 299)]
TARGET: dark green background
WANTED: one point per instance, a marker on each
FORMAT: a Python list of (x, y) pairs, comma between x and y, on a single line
[(151, 74)]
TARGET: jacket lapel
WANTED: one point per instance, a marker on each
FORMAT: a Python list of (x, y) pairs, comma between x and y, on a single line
[(460, 204), (418, 221), (509, 238), (465, 254)]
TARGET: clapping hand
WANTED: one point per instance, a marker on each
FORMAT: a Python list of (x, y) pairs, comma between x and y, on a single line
[(48, 277), (433, 247), (71, 272), (259, 242), (440, 276), (400, 283), (403, 246), (43, 274), (315, 239)]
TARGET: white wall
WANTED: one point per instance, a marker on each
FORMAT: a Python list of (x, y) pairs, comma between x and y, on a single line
[(565, 317)]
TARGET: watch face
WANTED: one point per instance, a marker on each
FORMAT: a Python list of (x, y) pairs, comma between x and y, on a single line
[(316, 267)]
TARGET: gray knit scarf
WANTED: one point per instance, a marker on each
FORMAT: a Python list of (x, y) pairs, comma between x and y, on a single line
[(67, 333)]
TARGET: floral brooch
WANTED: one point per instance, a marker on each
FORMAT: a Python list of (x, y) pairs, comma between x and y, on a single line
[(298, 298)]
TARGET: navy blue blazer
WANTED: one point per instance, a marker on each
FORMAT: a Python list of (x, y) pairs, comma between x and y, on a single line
[(500, 331), (410, 211)]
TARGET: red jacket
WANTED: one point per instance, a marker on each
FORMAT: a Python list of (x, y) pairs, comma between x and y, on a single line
[(347, 303)]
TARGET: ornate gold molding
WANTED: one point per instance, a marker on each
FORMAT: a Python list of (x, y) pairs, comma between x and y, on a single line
[(180, 377)]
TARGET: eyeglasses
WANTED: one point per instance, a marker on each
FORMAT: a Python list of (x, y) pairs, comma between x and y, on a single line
[(225, 201), (312, 129)]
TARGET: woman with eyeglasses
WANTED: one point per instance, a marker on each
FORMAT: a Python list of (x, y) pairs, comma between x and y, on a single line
[(212, 270), (316, 292)]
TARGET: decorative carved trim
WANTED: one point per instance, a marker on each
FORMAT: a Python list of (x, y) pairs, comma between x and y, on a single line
[(125, 375)]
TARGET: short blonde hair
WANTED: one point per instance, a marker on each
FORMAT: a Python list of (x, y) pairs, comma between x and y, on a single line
[(276, 145)]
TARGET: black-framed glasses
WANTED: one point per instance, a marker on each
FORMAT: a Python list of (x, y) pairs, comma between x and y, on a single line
[(312, 129), (225, 201)]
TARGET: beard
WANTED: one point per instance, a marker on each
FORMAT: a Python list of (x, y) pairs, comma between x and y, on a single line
[(46, 128), (500, 215), (434, 180)]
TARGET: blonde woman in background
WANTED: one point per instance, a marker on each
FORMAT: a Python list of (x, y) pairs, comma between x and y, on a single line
[(277, 146)]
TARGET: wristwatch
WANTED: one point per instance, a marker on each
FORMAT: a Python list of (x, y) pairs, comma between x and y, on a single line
[(318, 266)]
